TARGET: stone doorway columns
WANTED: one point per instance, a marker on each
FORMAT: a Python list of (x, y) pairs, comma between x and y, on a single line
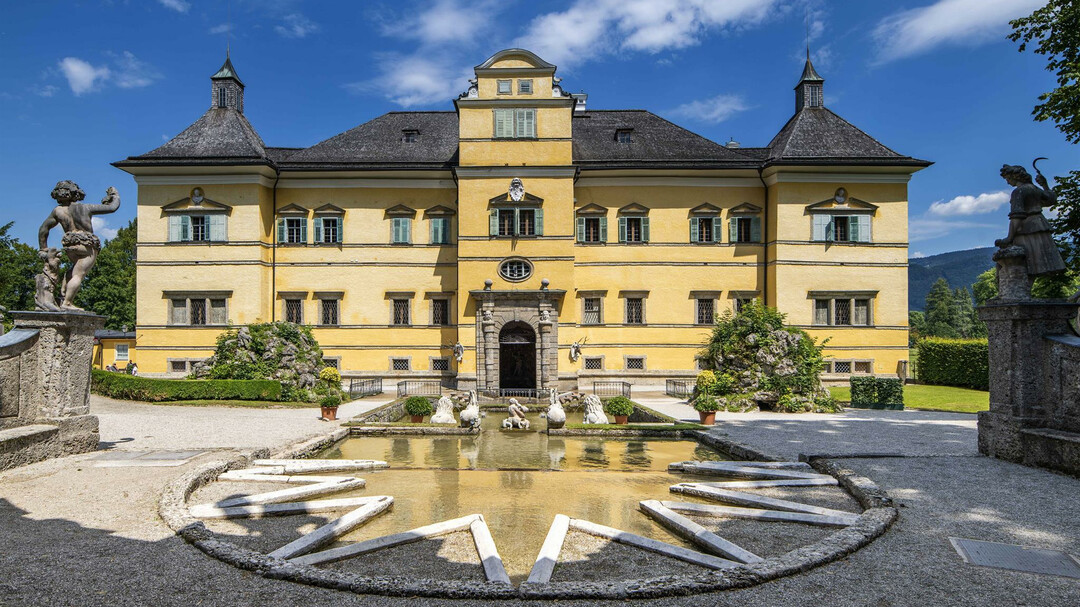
[(536, 308)]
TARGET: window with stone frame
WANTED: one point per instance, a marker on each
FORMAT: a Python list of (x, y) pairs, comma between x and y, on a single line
[(178, 366), (741, 302), (333, 362), (705, 229), (635, 363), (440, 311), (330, 311), (592, 311), (400, 364), (635, 311), (634, 229), (592, 229), (198, 311), (525, 86), (440, 364), (294, 311), (594, 363), (705, 311), (401, 312), (840, 311), (504, 87)]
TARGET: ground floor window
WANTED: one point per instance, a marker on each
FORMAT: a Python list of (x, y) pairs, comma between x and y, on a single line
[(294, 311), (198, 311), (842, 311), (440, 364), (400, 364), (635, 363), (594, 363), (121, 351), (849, 367)]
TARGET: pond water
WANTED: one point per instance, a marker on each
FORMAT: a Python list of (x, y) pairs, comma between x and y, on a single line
[(519, 480)]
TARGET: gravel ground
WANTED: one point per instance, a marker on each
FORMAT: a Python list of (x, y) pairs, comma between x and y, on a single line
[(586, 557), (449, 557)]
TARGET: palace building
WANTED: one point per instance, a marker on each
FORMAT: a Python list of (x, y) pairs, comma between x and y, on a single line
[(521, 240)]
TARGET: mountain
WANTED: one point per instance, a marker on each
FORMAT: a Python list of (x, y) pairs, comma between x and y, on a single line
[(960, 268)]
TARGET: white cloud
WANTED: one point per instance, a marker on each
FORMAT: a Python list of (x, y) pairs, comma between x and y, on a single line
[(102, 229), (917, 254), (46, 91), (413, 80), (132, 73), (971, 22), (179, 6), (445, 21), (593, 28), (987, 202), (223, 28), (296, 25), (81, 76), (715, 109), (923, 228)]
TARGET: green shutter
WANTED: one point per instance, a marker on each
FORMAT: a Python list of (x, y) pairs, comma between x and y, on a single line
[(303, 230), (217, 227), (717, 229), (733, 230), (493, 222), (317, 227), (622, 229), (504, 123), (603, 229), (644, 229), (853, 228), (185, 228), (755, 229), (539, 218), (821, 227), (864, 228), (406, 227), (581, 229), (694, 229), (174, 228), (830, 230), (339, 235), (281, 230)]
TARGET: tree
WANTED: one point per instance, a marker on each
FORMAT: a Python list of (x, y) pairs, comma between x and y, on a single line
[(941, 311), (964, 312), (18, 264), (109, 288), (985, 287), (916, 327)]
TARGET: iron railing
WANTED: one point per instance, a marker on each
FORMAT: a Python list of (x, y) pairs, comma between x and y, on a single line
[(419, 388), (364, 387), (679, 388), (607, 389), (496, 393)]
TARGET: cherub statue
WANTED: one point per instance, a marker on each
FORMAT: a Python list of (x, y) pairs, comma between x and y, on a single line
[(1028, 227), (517, 420), (79, 242)]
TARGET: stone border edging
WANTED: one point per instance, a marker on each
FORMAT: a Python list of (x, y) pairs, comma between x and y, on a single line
[(871, 524)]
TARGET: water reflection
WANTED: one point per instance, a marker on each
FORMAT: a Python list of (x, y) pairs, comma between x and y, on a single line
[(636, 455)]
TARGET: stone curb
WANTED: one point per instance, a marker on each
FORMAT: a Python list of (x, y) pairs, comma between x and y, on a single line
[(871, 524)]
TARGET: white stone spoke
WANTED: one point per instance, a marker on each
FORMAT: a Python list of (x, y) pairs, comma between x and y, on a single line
[(327, 533), (637, 541), (675, 466), (758, 501), (695, 533), (386, 541), (286, 509), (302, 466), (824, 481), (285, 495), (751, 472), (549, 552), (756, 514), (243, 475), (489, 554)]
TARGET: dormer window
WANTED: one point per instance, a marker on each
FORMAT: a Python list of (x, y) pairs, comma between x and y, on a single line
[(221, 97), (525, 87), (505, 87), (624, 136), (410, 136)]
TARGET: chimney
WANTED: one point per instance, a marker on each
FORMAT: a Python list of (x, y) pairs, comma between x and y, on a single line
[(579, 102)]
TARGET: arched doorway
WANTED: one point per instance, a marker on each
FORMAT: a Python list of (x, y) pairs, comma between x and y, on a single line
[(517, 356)]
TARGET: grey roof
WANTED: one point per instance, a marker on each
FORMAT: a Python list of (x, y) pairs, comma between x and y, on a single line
[(227, 71), (809, 74), (113, 334), (816, 134), (221, 133), (654, 142), (380, 142)]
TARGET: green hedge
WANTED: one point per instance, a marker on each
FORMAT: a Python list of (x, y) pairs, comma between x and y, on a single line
[(127, 387), (877, 393), (954, 362)]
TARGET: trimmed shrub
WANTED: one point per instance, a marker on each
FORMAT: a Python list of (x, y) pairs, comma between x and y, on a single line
[(863, 392), (331, 401), (890, 391), (127, 387), (620, 405), (877, 393), (418, 405), (954, 362), (705, 403)]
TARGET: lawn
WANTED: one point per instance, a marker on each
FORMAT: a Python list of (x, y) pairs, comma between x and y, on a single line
[(252, 404), (933, 398)]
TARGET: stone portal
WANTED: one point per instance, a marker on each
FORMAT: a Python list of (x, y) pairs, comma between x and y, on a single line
[(517, 338), (517, 356)]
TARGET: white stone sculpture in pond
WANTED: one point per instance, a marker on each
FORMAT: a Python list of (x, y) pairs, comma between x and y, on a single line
[(517, 420), (594, 410), (444, 411), (470, 417), (556, 415)]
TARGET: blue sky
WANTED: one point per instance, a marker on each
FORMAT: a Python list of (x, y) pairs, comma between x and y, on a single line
[(86, 83)]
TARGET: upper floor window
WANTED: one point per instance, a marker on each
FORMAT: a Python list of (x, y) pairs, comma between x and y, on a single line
[(635, 310), (592, 229), (410, 136), (198, 311), (440, 230), (504, 87), (197, 228), (401, 230), (294, 311), (401, 314), (705, 229), (842, 311), (517, 123), (327, 229), (591, 311), (515, 270), (841, 228), (624, 136), (745, 229), (705, 311), (525, 87), (516, 222), (292, 230), (633, 229), (440, 311), (330, 312)]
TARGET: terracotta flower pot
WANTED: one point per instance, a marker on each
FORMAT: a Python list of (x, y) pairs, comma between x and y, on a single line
[(621, 419), (329, 413), (708, 418), (417, 419)]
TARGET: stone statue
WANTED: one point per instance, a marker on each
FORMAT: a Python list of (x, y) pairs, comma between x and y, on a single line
[(48, 280), (594, 410), (470, 417), (1028, 228), (79, 242), (517, 190), (575, 349), (556, 415), (459, 352), (517, 420), (444, 411)]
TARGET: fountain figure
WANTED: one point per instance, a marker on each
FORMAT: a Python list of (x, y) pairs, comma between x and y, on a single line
[(470, 417), (556, 415), (594, 410), (517, 420), (444, 411)]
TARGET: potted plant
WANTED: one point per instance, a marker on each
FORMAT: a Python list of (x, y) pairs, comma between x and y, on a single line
[(620, 408), (329, 405), (417, 407), (706, 405)]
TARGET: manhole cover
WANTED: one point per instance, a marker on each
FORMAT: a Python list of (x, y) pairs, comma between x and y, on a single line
[(1016, 558), (118, 459)]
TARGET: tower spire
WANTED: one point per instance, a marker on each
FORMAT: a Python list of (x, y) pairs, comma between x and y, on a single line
[(226, 88), (809, 92)]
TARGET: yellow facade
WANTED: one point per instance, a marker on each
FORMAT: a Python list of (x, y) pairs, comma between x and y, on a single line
[(247, 273)]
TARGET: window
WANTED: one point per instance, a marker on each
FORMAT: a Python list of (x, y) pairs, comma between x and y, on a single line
[(515, 270), (401, 312), (635, 363), (197, 312), (179, 311), (332, 362), (525, 87), (292, 230), (706, 311), (592, 229), (594, 363), (294, 311), (842, 366), (842, 311), (849, 367), (121, 351), (218, 312), (197, 228), (517, 222), (440, 311), (591, 311), (440, 364), (505, 87), (518, 123), (741, 302), (841, 228), (745, 229), (633, 229), (701, 364), (410, 136), (330, 312), (220, 97), (401, 230), (400, 364), (623, 136), (635, 311), (861, 366), (704, 229), (327, 230), (178, 366), (440, 230)]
